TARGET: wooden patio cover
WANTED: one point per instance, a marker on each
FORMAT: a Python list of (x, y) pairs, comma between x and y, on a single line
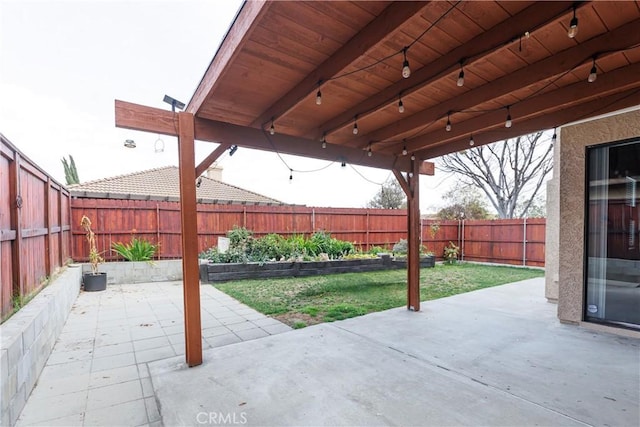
[(298, 77)]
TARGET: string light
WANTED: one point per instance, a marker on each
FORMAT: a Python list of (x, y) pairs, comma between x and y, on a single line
[(573, 25), (344, 164), (471, 141), (400, 105), (355, 125), (290, 175), (369, 152), (593, 74), (319, 97), (406, 71), (509, 122), (554, 137), (410, 174), (324, 140), (460, 81), (448, 126), (404, 151), (413, 157), (272, 129)]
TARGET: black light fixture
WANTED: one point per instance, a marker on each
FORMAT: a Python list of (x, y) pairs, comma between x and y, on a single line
[(593, 73), (400, 105), (573, 25), (460, 81), (554, 137), (406, 71), (508, 123), (232, 150), (174, 103), (404, 150), (355, 125), (448, 126), (199, 182)]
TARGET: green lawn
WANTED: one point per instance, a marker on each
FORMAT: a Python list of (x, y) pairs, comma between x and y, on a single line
[(308, 300)]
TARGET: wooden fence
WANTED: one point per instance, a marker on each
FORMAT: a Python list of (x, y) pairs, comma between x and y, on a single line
[(34, 226), (518, 242)]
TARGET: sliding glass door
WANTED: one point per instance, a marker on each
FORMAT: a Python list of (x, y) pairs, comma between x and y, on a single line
[(613, 249)]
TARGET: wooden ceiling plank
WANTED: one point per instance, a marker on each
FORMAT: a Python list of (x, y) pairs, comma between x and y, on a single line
[(534, 16), (232, 43), (581, 92), (562, 116), (619, 38), (375, 32)]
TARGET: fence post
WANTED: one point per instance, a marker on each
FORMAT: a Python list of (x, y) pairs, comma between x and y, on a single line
[(462, 245), (368, 226), (16, 223), (48, 268), (158, 231), (524, 242)]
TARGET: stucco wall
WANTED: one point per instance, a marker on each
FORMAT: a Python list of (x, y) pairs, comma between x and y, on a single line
[(570, 173)]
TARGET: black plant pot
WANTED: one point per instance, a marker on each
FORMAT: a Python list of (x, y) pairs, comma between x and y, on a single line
[(94, 282)]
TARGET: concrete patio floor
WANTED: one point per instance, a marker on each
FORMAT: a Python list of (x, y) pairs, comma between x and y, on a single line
[(497, 356), (97, 373)]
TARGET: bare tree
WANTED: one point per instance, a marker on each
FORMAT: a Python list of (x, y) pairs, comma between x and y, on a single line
[(390, 196), (510, 172)]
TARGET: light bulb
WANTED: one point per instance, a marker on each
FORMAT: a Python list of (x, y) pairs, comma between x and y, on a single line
[(406, 71), (471, 141), (318, 98), (324, 144), (509, 122), (593, 74), (573, 25), (272, 129), (400, 106), (369, 153), (355, 128), (404, 150), (448, 126), (290, 175), (554, 137), (413, 157), (410, 174), (460, 81)]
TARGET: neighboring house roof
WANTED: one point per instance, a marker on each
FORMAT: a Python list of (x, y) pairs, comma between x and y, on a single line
[(164, 184)]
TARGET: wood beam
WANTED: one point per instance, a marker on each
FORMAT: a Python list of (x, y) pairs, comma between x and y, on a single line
[(583, 91), (413, 238), (500, 36), (238, 34), (149, 119), (208, 161), (622, 37), (241, 136), (381, 28), (561, 117), (189, 218)]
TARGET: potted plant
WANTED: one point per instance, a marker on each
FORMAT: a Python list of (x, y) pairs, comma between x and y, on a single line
[(94, 280)]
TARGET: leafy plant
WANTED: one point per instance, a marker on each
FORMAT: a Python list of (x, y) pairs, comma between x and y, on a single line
[(401, 247), (451, 252), (136, 250), (94, 256)]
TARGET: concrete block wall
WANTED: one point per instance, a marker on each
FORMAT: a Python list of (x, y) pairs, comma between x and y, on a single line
[(140, 271), (27, 338)]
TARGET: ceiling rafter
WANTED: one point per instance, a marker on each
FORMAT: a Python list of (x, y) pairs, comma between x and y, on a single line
[(620, 38), (617, 101), (235, 38), (531, 18), (379, 29)]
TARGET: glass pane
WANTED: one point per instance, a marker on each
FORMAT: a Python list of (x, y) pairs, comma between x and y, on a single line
[(613, 250)]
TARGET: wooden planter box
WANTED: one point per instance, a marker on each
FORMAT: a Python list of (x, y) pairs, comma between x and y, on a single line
[(213, 273)]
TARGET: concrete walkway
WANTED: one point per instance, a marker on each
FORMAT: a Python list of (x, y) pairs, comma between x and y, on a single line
[(497, 356), (97, 373)]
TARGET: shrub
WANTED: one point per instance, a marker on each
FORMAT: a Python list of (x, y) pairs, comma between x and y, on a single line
[(401, 247), (136, 250), (451, 253)]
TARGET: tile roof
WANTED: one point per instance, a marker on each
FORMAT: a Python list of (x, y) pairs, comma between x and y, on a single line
[(164, 184)]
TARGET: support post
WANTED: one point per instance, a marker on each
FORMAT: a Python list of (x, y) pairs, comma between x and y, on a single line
[(411, 187), (188, 217)]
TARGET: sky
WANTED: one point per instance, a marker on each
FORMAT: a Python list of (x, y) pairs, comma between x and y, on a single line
[(63, 63)]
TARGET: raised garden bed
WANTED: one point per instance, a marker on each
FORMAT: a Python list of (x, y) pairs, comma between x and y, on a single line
[(214, 273)]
